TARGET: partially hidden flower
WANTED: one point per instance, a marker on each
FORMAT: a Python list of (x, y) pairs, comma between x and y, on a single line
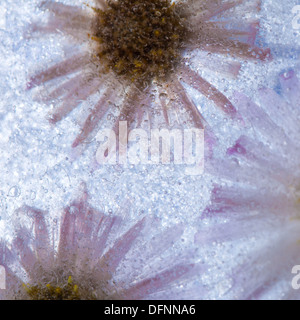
[(255, 208), (96, 256), (137, 55)]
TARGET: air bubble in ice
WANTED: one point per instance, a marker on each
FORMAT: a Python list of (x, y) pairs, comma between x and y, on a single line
[(14, 192)]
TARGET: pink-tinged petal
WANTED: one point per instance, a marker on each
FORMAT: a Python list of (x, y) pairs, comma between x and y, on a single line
[(239, 49), (228, 37), (55, 91), (290, 85), (197, 118), (140, 115), (214, 63), (145, 104), (244, 33), (87, 219), (259, 119), (162, 98), (148, 286), (135, 98), (242, 174), (11, 281), (212, 12), (152, 248), (239, 201), (42, 246), (63, 10), (92, 121), (103, 231), (110, 261), (238, 148), (278, 259), (131, 111), (247, 51), (85, 227), (278, 111), (22, 249), (196, 81), (160, 242), (210, 9), (74, 98), (77, 29), (264, 159), (67, 246), (189, 106), (84, 233), (248, 35), (241, 225), (252, 34), (61, 69), (63, 18), (101, 3), (7, 257)]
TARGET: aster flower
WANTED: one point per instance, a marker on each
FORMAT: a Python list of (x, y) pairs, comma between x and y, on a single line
[(255, 208), (135, 54), (95, 257)]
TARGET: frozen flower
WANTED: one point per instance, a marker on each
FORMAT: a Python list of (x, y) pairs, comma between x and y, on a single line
[(255, 211), (136, 55), (90, 255)]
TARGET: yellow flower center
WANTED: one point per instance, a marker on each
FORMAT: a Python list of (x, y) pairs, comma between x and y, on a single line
[(140, 39), (67, 291)]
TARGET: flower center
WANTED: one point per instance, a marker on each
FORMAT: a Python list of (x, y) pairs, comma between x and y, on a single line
[(67, 291), (140, 39)]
